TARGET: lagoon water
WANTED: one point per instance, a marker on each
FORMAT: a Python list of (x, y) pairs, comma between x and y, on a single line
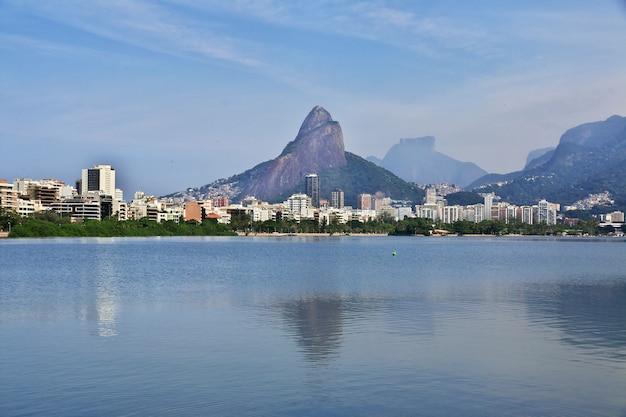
[(315, 326)]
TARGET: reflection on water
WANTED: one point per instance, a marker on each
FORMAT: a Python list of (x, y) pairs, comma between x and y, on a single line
[(99, 301), (589, 317), (107, 302), (107, 306), (317, 326)]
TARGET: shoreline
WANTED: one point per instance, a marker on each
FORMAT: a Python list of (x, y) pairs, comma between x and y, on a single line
[(244, 234), (4, 235)]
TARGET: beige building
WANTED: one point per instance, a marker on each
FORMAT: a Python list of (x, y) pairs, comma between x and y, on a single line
[(8, 196), (364, 202)]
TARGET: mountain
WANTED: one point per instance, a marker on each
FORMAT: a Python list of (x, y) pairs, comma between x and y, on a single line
[(318, 148), (538, 157), (589, 159), (416, 160), (318, 145)]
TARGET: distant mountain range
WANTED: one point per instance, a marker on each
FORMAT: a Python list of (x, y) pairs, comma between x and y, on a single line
[(317, 149), (415, 160), (589, 159), (538, 157)]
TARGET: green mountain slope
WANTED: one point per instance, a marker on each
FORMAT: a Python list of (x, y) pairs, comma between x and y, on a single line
[(590, 158)]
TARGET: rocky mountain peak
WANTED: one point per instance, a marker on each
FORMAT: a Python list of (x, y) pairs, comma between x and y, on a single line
[(318, 146), (415, 160), (315, 119), (599, 133), (427, 142)]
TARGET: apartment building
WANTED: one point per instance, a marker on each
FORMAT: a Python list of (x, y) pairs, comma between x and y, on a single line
[(312, 183), (99, 178), (8, 196)]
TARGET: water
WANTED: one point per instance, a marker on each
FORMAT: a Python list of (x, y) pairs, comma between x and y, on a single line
[(292, 326)]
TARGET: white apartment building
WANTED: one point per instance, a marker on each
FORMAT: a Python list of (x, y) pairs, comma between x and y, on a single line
[(451, 214), (475, 213), (547, 212), (428, 211), (616, 217), (260, 214), (488, 204), (78, 208), (299, 207), (402, 212), (120, 209), (527, 215), (511, 213), (99, 178), (363, 215)]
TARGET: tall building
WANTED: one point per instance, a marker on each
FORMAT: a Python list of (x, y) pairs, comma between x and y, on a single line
[(313, 189), (99, 178), (527, 215), (488, 202), (451, 214), (336, 198), (431, 196), (547, 212), (364, 202)]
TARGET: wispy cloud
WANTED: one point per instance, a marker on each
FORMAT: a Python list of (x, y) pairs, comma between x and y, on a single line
[(13, 42), (145, 25), (405, 27)]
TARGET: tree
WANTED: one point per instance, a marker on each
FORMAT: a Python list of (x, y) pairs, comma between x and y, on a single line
[(240, 221), (386, 217), (463, 227), (589, 226), (8, 219)]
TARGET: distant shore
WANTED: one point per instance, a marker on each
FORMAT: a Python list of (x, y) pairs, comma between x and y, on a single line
[(310, 234), (4, 235), (277, 234)]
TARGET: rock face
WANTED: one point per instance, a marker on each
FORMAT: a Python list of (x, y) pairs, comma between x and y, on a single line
[(538, 157), (415, 160), (318, 146), (590, 159)]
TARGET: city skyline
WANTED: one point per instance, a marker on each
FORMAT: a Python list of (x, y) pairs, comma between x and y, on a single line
[(97, 198), (177, 94)]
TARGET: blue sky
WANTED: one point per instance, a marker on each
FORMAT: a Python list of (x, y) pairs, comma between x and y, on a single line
[(178, 93)]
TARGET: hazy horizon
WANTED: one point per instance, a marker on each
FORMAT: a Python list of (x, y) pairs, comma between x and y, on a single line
[(179, 93)]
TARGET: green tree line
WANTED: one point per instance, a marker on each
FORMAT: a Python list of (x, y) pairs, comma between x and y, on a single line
[(49, 224)]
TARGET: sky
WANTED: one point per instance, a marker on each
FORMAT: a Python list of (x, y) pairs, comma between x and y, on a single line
[(179, 93)]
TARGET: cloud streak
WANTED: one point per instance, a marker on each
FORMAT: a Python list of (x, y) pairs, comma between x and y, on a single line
[(145, 25)]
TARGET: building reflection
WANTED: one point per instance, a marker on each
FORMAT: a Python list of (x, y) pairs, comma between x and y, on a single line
[(316, 325), (107, 307), (103, 305)]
